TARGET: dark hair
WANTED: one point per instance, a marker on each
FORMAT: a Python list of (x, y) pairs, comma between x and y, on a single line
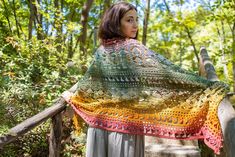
[(110, 24)]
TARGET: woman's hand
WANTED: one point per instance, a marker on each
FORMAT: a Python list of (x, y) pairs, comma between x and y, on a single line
[(66, 95)]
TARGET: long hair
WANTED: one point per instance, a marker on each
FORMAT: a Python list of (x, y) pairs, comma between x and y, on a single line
[(111, 23)]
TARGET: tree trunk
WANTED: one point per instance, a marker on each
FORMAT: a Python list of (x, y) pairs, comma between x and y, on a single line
[(84, 20), (31, 18), (193, 44), (167, 7), (58, 26), (145, 23), (39, 20), (70, 43), (16, 20), (36, 18), (7, 15), (61, 25), (47, 23), (70, 48)]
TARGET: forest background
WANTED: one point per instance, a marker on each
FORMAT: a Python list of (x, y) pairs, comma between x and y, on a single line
[(46, 46)]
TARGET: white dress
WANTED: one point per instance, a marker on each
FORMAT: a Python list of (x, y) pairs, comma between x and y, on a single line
[(103, 143)]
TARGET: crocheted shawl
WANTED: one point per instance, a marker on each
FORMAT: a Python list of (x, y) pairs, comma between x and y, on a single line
[(131, 89)]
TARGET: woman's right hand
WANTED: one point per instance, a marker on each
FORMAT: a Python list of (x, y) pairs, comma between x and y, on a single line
[(66, 95)]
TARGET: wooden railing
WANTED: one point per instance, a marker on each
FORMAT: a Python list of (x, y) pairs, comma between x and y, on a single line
[(226, 115), (226, 111)]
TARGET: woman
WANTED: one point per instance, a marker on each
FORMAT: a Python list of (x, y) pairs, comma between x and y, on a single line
[(130, 91), (120, 22)]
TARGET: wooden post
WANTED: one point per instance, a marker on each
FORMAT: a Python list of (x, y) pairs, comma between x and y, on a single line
[(226, 115), (226, 111), (56, 132), (207, 69), (55, 136)]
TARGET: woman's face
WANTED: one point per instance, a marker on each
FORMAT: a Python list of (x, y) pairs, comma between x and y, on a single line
[(129, 24)]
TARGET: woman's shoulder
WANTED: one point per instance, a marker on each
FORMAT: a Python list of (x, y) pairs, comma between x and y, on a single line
[(135, 45), (116, 46), (133, 42)]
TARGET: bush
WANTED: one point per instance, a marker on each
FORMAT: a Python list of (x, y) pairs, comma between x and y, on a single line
[(33, 75)]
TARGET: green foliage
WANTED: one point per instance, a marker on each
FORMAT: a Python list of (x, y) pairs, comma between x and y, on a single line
[(33, 143), (33, 75)]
